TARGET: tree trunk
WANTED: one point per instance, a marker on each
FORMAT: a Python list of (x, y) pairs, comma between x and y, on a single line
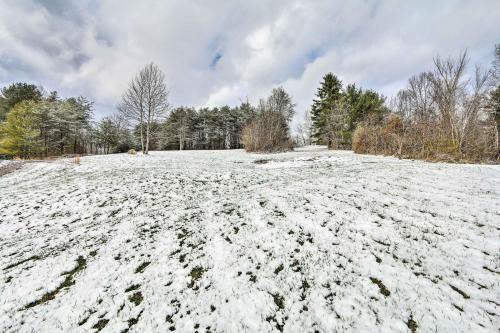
[(147, 139)]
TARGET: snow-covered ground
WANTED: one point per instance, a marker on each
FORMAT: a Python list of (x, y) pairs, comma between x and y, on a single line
[(225, 241)]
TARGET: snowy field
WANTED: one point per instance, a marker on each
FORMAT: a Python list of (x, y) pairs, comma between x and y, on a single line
[(225, 241)]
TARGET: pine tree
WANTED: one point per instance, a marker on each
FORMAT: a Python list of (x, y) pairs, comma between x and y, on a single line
[(328, 95), (16, 93)]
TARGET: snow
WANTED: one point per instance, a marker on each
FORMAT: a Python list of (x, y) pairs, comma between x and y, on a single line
[(304, 241)]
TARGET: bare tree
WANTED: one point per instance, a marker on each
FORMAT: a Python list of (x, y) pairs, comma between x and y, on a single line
[(145, 101), (270, 129), (304, 130), (449, 88)]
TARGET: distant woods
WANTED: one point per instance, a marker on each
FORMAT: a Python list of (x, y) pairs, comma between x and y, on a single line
[(448, 113), (38, 125), (451, 112)]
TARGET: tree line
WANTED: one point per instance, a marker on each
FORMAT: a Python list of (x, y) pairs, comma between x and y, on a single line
[(145, 109), (34, 124), (447, 113)]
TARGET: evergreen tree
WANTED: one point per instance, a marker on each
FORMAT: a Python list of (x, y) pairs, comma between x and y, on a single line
[(16, 93), (327, 97)]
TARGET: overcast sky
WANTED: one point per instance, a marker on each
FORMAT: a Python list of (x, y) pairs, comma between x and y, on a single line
[(222, 52)]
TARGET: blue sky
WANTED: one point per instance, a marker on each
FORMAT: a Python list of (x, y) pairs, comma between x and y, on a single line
[(223, 52)]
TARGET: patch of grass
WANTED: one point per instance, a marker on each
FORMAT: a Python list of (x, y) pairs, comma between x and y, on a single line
[(132, 321), (197, 273), (84, 320), (279, 213), (412, 324), (304, 287), (100, 324), (279, 269), (133, 287), (142, 267), (273, 319), (175, 252), (68, 281), (382, 288), (464, 295), (136, 298), (490, 270), (35, 257), (261, 161), (296, 266), (279, 301)]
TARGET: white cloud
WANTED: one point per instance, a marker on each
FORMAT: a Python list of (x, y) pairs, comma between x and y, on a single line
[(94, 47)]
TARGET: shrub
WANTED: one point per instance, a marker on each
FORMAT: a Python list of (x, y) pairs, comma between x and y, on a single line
[(76, 160), (267, 133), (131, 152), (422, 141)]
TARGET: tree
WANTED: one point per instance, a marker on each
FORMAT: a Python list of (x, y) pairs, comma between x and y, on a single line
[(145, 102), (495, 70), (303, 130), (19, 135), (270, 131), (108, 134), (327, 97), (180, 128), (336, 112), (281, 102), (448, 113), (16, 93), (494, 105)]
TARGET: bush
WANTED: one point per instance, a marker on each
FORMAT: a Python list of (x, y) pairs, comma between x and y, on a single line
[(131, 152), (383, 139), (267, 133), (422, 141)]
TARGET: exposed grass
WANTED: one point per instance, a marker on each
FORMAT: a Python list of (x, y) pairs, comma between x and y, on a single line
[(197, 273), (35, 257), (464, 295), (133, 287), (412, 324), (382, 288), (142, 267), (68, 281), (136, 298), (279, 301), (100, 324)]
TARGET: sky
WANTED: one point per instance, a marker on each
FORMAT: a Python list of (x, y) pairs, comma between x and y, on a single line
[(224, 52)]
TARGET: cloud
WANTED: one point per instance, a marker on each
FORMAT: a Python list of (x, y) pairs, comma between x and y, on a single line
[(218, 52)]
